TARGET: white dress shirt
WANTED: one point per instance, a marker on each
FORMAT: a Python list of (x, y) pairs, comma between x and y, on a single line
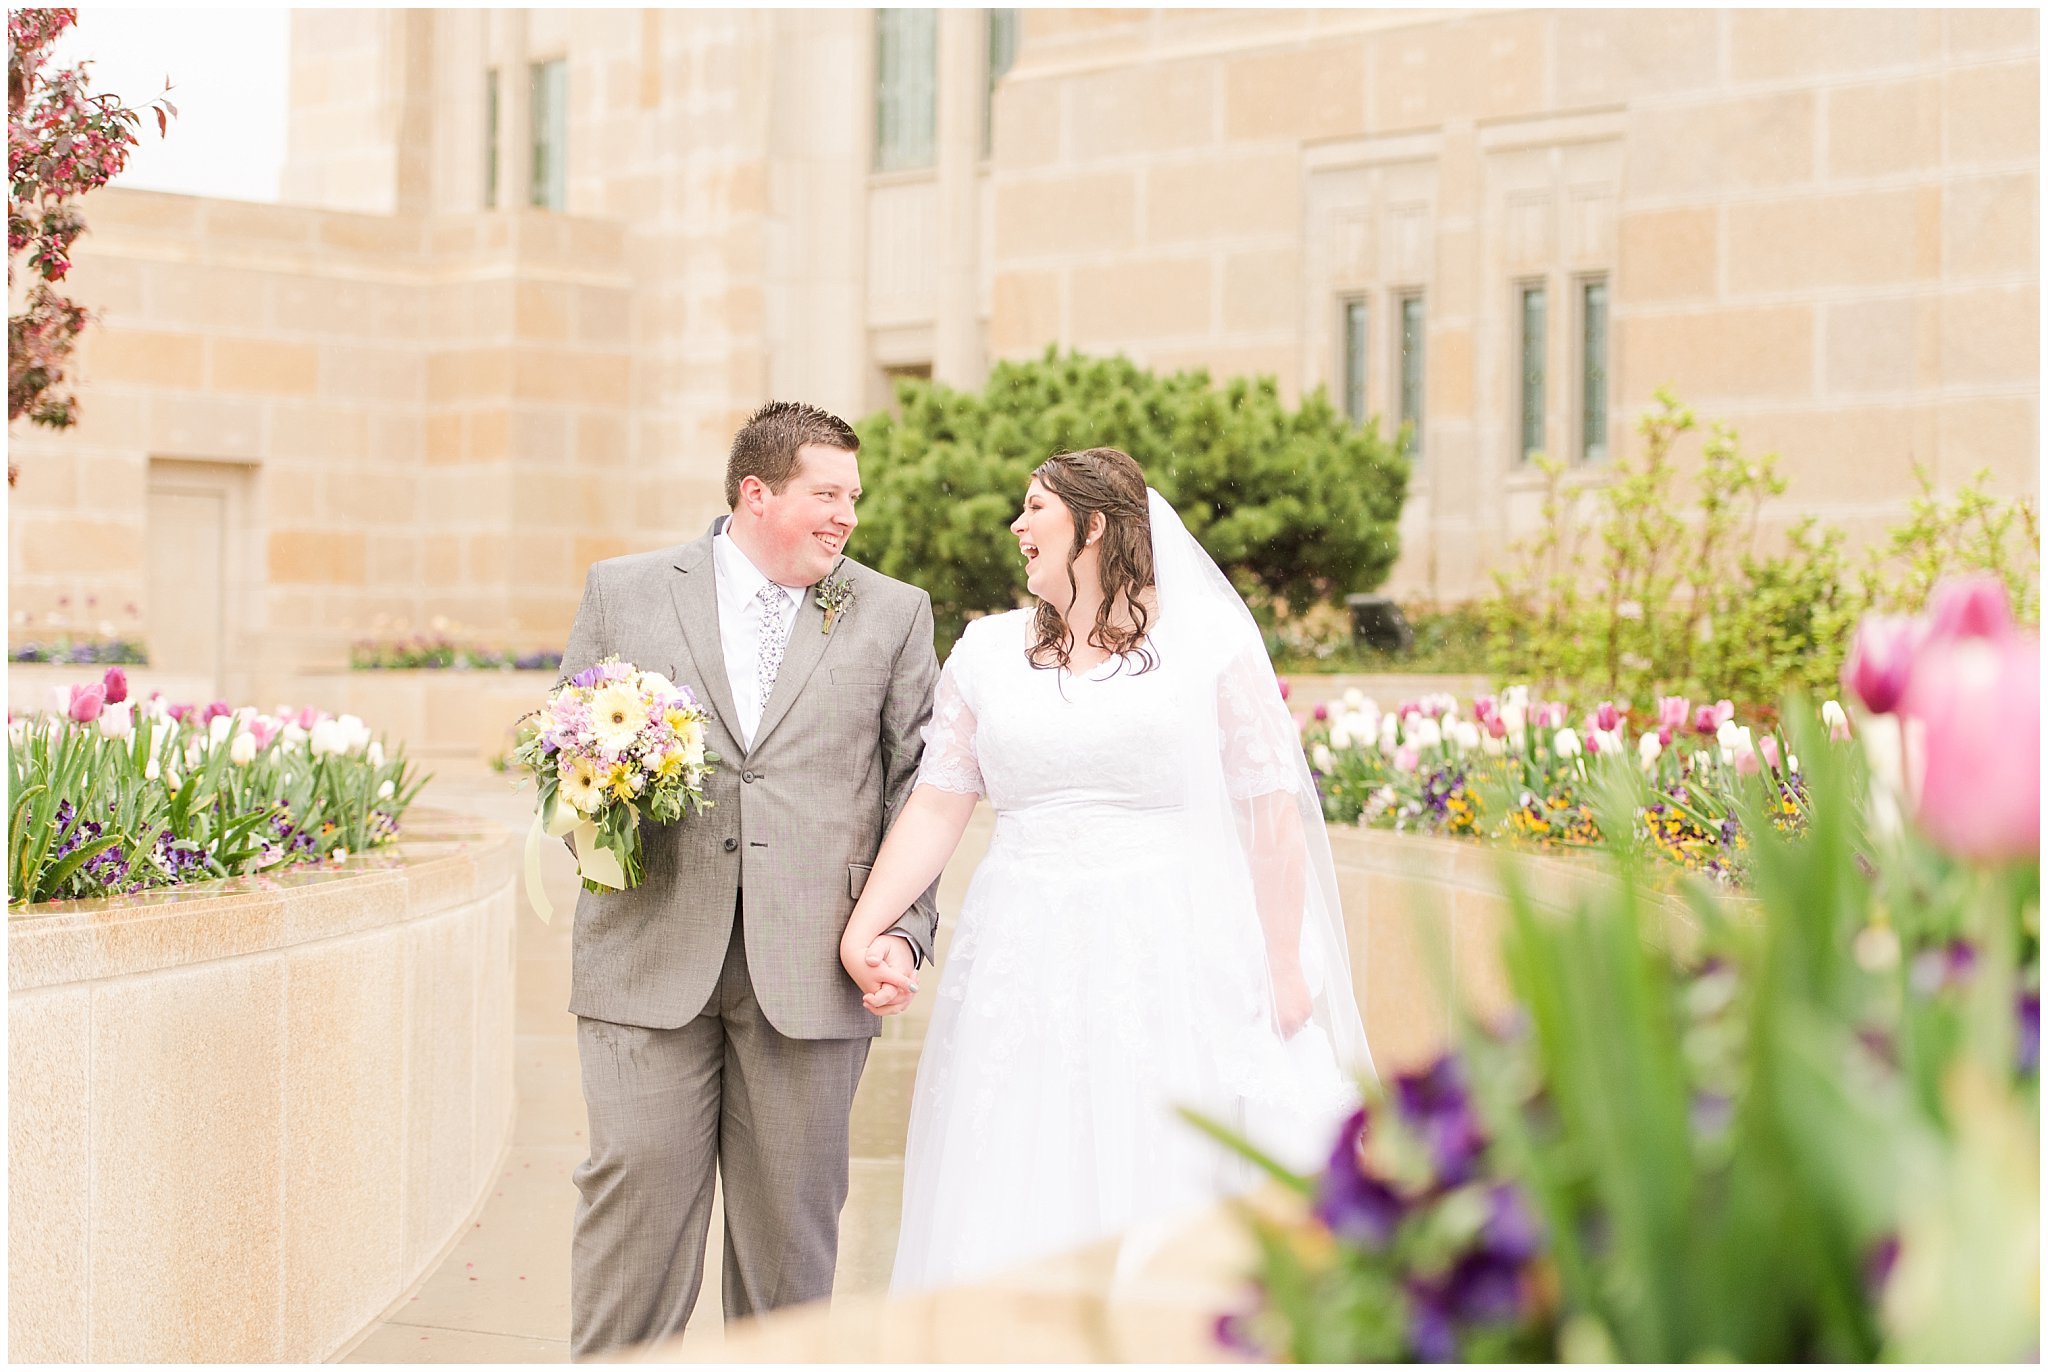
[(740, 622)]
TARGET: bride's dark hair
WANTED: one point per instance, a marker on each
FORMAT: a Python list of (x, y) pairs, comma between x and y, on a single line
[(1107, 482)]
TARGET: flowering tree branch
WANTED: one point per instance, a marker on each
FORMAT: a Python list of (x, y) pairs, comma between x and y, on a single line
[(62, 141)]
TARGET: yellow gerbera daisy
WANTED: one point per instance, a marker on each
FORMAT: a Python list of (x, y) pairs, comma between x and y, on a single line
[(579, 786), (623, 780), (616, 716)]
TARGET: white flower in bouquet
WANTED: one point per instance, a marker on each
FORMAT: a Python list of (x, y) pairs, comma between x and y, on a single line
[(617, 715), (581, 785)]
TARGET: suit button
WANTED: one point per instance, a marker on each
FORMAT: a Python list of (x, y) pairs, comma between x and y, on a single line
[(746, 776), (732, 845)]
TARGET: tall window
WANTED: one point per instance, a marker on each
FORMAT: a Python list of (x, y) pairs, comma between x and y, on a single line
[(549, 101), (1354, 360), (1411, 371), (1535, 317), (906, 88), (1002, 55), (1593, 369), (491, 139)]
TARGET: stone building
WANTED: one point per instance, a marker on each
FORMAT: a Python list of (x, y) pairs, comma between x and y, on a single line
[(534, 266)]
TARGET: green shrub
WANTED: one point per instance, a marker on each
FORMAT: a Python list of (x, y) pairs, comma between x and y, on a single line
[(1295, 504)]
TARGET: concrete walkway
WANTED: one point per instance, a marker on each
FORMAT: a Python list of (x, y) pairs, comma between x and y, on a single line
[(502, 1292)]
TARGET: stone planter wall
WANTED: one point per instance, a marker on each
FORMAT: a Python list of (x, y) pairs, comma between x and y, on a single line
[(1424, 918), (245, 1117)]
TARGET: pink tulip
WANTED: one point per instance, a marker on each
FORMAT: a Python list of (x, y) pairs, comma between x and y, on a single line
[(1706, 720), (1665, 731), (1283, 688), (1969, 607), (1592, 743), (263, 730), (1322, 712), (178, 712), (1607, 718), (116, 682), (87, 702), (1484, 708), (217, 709), (1975, 689), (1672, 713), (1746, 761), (1768, 746), (1724, 710), (1496, 727), (1880, 664), (1407, 757)]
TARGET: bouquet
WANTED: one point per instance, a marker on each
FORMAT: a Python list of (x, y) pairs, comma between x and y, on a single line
[(614, 748)]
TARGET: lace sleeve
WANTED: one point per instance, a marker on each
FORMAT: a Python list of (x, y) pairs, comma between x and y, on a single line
[(949, 758), (1259, 740)]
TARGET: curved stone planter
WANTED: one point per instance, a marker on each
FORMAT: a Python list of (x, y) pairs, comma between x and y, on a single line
[(245, 1117), (1424, 918)]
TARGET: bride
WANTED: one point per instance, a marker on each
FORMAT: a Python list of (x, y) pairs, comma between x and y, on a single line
[(1156, 922)]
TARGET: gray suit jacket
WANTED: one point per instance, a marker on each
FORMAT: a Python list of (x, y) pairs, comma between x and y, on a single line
[(796, 820)]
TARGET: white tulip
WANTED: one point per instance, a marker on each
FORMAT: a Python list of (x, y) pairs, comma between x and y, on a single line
[(294, 737), (1514, 698), (242, 751), (1426, 733), (1340, 737), (1791, 762), (1466, 734), (1321, 754), (386, 791), (375, 754), (118, 721), (151, 771), (1354, 698), (195, 754), (355, 733), (1833, 715), (176, 782), (1514, 716), (1650, 749), (327, 738), (217, 729), (1566, 743)]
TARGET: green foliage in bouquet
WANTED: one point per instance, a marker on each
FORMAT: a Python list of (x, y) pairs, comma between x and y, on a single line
[(1296, 504), (1813, 1135)]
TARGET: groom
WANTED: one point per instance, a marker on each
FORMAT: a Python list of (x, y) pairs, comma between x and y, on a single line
[(715, 1025)]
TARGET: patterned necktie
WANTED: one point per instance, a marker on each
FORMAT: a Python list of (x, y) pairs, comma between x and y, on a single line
[(774, 638)]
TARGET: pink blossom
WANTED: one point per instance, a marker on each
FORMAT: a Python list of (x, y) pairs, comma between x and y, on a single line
[(1768, 746), (1322, 712), (1407, 757), (1724, 710), (1664, 733), (116, 682), (1607, 718), (1880, 664), (1975, 690), (1706, 720), (1485, 708), (1283, 688), (1672, 713), (1496, 727), (87, 702), (263, 729)]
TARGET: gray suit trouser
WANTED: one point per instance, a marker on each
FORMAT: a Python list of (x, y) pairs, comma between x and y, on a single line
[(667, 1106)]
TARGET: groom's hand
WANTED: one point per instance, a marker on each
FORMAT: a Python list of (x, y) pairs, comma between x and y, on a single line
[(890, 959)]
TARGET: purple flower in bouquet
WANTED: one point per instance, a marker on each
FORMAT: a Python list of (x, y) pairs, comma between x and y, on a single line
[(1356, 1207), (1435, 1103), (589, 677)]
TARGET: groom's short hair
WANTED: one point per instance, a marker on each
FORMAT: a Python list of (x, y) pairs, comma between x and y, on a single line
[(766, 445)]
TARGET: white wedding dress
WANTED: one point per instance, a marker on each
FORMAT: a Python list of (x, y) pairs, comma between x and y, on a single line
[(1108, 963)]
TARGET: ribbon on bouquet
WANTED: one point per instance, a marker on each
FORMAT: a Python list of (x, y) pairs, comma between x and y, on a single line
[(593, 863)]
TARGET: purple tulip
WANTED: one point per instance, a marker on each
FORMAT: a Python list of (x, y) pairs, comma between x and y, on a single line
[(1354, 1206), (1880, 664), (116, 682)]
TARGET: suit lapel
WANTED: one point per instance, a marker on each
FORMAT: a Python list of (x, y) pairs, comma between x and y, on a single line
[(695, 592), (807, 640)]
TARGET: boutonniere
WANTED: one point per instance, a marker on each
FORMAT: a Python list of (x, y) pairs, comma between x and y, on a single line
[(834, 595)]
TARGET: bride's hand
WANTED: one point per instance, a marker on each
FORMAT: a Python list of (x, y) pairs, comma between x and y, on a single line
[(885, 986), (1292, 1004)]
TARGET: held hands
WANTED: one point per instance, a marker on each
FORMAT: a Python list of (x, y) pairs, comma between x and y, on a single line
[(885, 972)]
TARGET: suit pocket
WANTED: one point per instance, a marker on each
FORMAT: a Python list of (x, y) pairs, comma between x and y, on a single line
[(857, 878)]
